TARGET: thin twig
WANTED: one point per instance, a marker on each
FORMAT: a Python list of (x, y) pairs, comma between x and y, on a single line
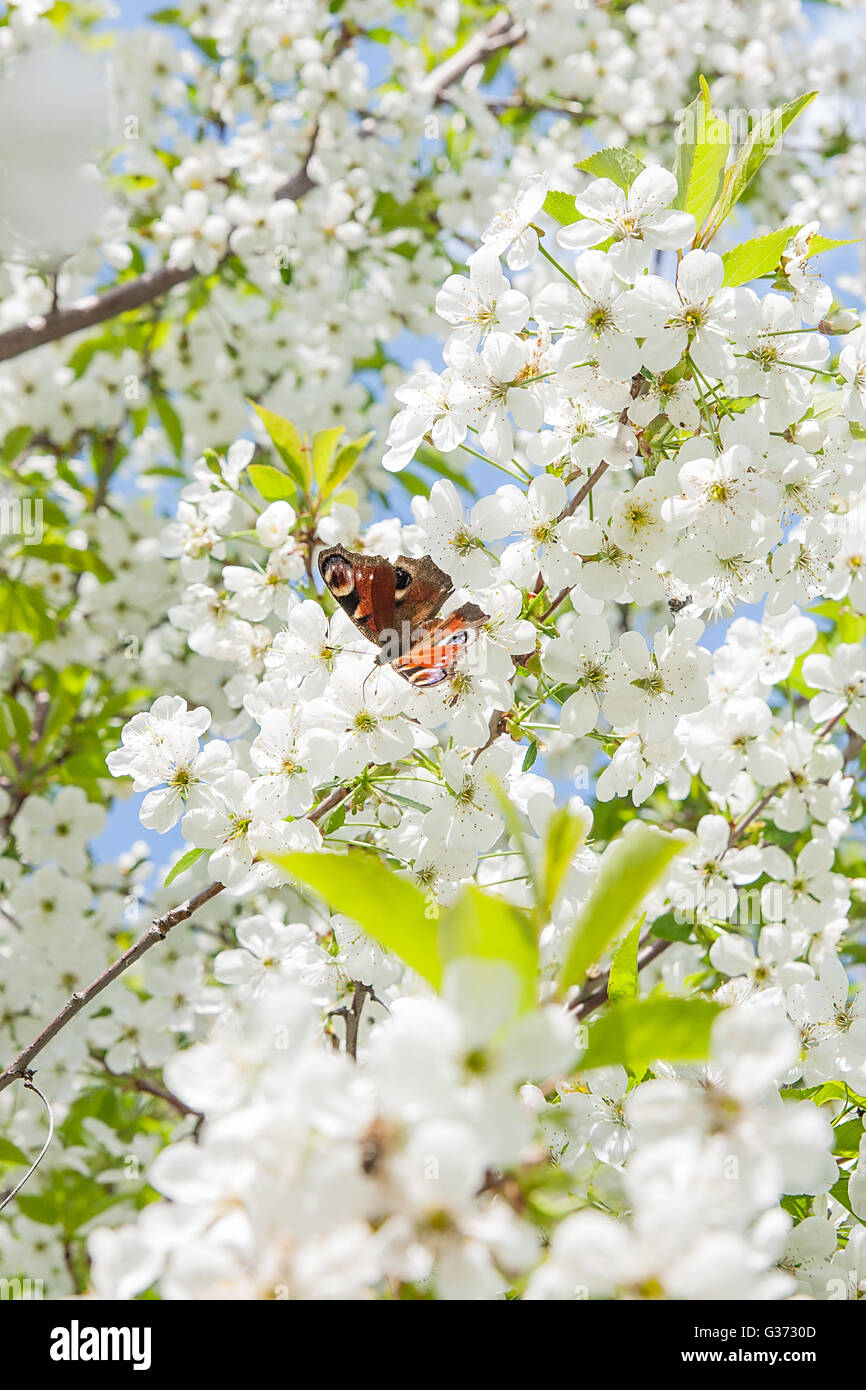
[(156, 932), (352, 1015), (27, 1077)]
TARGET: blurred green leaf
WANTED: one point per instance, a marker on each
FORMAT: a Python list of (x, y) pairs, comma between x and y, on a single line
[(391, 910), (641, 1031), (623, 971), (10, 1153), (631, 866), (565, 833), (481, 925)]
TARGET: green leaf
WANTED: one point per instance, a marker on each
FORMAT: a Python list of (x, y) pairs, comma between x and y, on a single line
[(185, 862), (565, 833), (819, 244), (271, 483), (79, 561), (19, 720), (391, 910), (621, 166), (756, 257), (762, 139), (703, 141), (839, 1191), (481, 925), (170, 421), (70, 1200), (623, 971), (669, 929), (10, 1153), (641, 1031), (630, 867), (529, 757), (23, 609), (344, 463), (325, 444), (560, 206), (846, 1138), (288, 445)]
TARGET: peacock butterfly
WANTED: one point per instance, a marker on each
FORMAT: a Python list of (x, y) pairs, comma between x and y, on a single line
[(395, 606)]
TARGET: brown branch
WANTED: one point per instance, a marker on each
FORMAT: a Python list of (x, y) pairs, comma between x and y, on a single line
[(500, 32), (352, 1015), (95, 309), (583, 492), (156, 932), (584, 1004)]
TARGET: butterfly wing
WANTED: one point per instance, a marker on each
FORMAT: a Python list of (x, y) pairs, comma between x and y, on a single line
[(364, 586), (385, 602), (421, 588), (438, 646)]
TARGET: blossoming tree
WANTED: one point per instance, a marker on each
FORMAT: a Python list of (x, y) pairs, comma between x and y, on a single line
[(504, 715)]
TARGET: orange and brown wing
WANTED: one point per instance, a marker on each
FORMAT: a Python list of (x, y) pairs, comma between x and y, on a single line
[(438, 646)]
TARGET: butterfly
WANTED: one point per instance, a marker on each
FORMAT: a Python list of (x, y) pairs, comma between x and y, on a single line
[(396, 605)]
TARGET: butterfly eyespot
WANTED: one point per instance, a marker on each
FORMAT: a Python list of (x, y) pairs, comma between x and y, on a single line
[(402, 580), (338, 576)]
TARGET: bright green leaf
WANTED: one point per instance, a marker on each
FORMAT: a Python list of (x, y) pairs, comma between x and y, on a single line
[(819, 244), (703, 142), (756, 257), (325, 444), (343, 464), (185, 862), (620, 166), (391, 910), (288, 445), (630, 867), (271, 483), (560, 206), (762, 139), (623, 971), (641, 1031), (481, 925)]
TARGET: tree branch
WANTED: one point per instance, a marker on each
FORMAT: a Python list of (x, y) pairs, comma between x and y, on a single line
[(156, 932)]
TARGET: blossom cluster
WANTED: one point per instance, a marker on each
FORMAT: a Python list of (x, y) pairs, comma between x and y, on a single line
[(649, 477)]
